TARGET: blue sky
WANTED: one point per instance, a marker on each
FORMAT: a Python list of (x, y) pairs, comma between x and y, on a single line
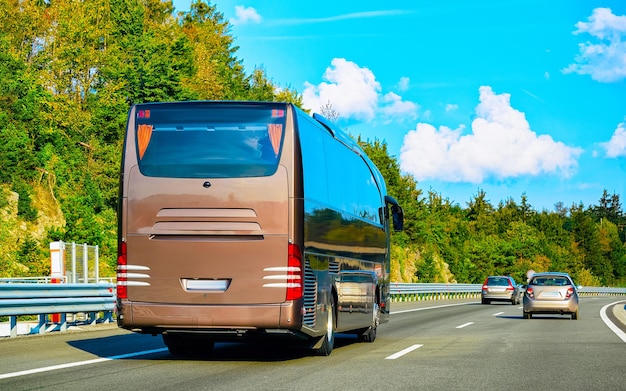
[(511, 97)]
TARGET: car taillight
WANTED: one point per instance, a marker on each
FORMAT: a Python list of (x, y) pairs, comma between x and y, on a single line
[(122, 292), (570, 292), (485, 287), (510, 288), (530, 293), (294, 273)]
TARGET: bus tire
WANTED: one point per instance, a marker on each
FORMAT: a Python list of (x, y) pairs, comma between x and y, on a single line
[(369, 334), (325, 344)]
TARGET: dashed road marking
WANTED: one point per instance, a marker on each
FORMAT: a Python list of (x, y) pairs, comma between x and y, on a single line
[(403, 352)]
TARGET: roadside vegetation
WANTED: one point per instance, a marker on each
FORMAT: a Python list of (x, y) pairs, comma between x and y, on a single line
[(69, 71)]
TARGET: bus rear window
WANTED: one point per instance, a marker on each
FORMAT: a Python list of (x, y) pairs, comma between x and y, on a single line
[(205, 140)]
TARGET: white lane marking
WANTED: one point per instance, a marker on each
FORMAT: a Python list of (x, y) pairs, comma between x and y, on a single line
[(465, 325), (78, 363), (498, 313), (431, 308), (610, 324), (403, 352)]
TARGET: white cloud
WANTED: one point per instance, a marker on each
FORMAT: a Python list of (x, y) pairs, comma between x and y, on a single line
[(604, 61), (603, 24), (403, 84), (451, 107), (394, 107), (355, 94), (245, 15), (500, 145), (616, 146), (352, 91)]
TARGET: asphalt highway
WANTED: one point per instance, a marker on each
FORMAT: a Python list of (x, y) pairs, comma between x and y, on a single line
[(429, 345)]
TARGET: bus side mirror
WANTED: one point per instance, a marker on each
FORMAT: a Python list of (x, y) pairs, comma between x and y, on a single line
[(398, 218), (397, 214)]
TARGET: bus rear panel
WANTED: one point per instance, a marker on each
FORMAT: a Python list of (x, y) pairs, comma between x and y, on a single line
[(219, 239)]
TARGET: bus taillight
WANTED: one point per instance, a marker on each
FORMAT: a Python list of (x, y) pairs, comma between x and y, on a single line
[(294, 273), (122, 293)]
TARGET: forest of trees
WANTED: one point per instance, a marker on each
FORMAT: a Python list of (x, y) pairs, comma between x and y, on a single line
[(69, 71)]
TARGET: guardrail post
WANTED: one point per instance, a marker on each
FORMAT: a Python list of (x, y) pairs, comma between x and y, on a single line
[(63, 321), (91, 318), (41, 326), (13, 325)]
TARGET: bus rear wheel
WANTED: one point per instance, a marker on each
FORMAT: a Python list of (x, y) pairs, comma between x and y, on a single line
[(369, 334), (325, 345)]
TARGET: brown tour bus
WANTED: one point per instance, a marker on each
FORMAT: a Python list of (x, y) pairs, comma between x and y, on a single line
[(242, 220)]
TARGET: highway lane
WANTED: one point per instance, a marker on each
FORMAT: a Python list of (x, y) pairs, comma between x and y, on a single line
[(469, 346), (499, 349)]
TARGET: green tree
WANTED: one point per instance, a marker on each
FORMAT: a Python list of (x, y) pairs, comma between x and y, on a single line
[(587, 238), (219, 74)]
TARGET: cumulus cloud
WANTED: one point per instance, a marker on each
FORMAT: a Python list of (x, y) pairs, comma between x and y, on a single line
[(354, 93), (616, 146), (352, 90), (605, 60), (403, 84), (245, 15), (500, 145), (394, 107)]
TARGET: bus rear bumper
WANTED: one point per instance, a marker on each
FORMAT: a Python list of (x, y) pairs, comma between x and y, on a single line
[(158, 318)]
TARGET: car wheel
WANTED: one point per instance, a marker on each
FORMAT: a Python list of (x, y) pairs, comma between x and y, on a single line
[(575, 315), (527, 315)]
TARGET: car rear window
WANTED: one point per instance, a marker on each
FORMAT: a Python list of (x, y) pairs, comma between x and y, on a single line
[(204, 140), (551, 281), (498, 281)]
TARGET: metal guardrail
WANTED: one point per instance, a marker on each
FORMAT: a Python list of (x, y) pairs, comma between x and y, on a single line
[(601, 291), (33, 280), (44, 299), (55, 299), (414, 292), (51, 280)]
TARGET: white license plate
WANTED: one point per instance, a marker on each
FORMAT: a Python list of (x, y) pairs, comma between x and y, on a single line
[(206, 285), (550, 295), (497, 290)]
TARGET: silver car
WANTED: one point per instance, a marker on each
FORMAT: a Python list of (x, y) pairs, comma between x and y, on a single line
[(500, 288), (550, 293)]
